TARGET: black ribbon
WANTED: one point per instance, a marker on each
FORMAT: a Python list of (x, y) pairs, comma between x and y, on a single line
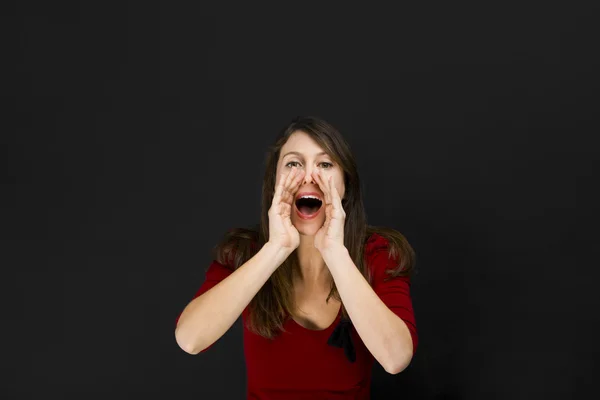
[(341, 338)]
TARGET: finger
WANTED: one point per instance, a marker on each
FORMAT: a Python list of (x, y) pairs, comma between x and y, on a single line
[(288, 220), (279, 191), (286, 184), (284, 210), (297, 183), (290, 177), (293, 185), (326, 192), (323, 186), (335, 196), (297, 179)]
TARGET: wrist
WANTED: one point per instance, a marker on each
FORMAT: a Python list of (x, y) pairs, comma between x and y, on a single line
[(277, 251), (334, 252)]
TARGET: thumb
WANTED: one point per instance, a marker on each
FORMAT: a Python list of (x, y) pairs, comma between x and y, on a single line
[(288, 222)]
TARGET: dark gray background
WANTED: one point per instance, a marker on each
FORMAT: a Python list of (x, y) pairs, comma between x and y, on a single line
[(134, 137)]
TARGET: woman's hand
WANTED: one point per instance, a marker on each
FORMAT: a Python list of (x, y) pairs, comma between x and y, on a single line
[(281, 231), (331, 234)]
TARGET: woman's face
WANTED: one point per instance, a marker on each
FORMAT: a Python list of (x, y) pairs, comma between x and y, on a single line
[(303, 152)]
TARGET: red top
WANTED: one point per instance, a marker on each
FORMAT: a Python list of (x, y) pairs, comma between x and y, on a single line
[(299, 364)]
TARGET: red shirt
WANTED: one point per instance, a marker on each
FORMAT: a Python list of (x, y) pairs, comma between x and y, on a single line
[(299, 364)]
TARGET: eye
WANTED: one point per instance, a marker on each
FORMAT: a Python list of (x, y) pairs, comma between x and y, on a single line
[(326, 165), (292, 164)]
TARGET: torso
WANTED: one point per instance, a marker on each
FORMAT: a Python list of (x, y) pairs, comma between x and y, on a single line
[(300, 362), (312, 312)]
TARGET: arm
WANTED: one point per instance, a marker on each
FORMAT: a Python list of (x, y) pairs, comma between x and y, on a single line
[(384, 334), (206, 318)]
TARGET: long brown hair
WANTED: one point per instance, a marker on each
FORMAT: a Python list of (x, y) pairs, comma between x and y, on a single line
[(274, 302)]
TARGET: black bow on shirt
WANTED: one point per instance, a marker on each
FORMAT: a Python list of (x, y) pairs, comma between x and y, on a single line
[(341, 338)]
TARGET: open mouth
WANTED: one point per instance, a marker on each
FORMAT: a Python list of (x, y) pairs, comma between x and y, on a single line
[(308, 206)]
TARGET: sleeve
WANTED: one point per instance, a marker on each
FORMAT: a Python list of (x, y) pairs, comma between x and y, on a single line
[(394, 292), (215, 273)]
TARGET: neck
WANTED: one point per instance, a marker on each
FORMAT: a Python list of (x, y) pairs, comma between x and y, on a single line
[(313, 273)]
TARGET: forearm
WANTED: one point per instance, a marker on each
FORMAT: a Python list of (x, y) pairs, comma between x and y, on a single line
[(384, 334), (206, 318)]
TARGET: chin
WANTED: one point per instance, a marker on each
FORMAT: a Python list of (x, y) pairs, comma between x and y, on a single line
[(308, 228), (307, 231)]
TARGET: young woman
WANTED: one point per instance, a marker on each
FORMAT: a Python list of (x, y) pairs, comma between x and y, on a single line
[(322, 294)]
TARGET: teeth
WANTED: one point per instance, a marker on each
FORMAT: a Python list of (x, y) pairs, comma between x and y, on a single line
[(309, 197)]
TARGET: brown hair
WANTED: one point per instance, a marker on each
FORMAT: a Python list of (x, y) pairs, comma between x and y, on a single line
[(274, 302)]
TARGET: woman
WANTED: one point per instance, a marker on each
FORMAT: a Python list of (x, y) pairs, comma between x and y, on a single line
[(322, 294)]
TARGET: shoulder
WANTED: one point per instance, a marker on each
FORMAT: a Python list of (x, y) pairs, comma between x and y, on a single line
[(387, 252), (376, 242), (236, 247), (378, 254)]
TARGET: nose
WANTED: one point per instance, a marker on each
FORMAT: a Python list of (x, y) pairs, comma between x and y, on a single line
[(308, 177)]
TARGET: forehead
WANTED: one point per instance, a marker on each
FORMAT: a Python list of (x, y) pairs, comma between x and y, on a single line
[(301, 143)]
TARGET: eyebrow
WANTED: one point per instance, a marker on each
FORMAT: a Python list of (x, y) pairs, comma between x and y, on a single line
[(298, 154)]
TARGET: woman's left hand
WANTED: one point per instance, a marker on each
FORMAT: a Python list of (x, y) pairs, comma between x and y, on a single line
[(331, 234)]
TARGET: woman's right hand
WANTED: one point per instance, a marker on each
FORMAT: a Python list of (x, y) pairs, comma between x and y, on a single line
[(281, 231)]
